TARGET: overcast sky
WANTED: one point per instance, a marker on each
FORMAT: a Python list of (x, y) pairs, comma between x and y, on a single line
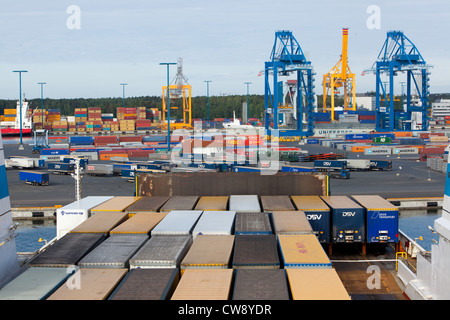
[(224, 41)]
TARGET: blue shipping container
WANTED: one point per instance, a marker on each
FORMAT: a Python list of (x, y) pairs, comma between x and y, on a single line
[(61, 167), (34, 177), (297, 169), (381, 219), (348, 219), (49, 152), (357, 136), (332, 164)]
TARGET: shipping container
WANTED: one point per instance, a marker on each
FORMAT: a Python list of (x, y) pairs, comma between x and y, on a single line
[(101, 222), (244, 203), (81, 140), (255, 252), (68, 250), (378, 150), (330, 164), (302, 251), (276, 203), (318, 215), (252, 223), (117, 203), (297, 169), (147, 204), (214, 223), (211, 203), (147, 284), (94, 284), (180, 203), (204, 284), (381, 165), (291, 222), (177, 222), (348, 219), (139, 223), (23, 162), (381, 218), (358, 164), (34, 284), (316, 284), (71, 215), (162, 252), (99, 169), (61, 167), (260, 284), (209, 252), (114, 252), (34, 177)]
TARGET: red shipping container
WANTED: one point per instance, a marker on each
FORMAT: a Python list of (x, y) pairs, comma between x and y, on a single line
[(130, 139)]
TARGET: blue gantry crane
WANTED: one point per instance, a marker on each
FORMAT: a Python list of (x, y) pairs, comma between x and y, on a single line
[(399, 54), (286, 114)]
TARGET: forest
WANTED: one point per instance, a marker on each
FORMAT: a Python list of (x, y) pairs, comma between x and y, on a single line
[(219, 106)]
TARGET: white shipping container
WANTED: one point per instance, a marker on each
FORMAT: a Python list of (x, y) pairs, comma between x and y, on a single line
[(71, 215), (358, 164), (215, 223), (377, 150), (244, 203), (405, 151), (88, 155), (177, 222)]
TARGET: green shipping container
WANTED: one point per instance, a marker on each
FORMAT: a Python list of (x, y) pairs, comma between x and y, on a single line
[(381, 140)]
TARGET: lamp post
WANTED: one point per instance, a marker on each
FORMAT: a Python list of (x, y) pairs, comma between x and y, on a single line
[(168, 104), (207, 97), (123, 92), (42, 101), (20, 104), (248, 103)]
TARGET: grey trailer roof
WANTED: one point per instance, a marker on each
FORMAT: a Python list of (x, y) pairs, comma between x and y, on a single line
[(261, 284), (252, 223), (114, 252), (68, 250), (34, 283), (162, 252)]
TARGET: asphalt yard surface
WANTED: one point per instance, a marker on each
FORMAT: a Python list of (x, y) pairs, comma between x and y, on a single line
[(408, 178)]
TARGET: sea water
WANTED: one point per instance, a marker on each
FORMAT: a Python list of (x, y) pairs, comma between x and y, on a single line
[(30, 231)]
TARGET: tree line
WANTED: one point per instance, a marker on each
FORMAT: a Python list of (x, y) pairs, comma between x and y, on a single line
[(219, 106)]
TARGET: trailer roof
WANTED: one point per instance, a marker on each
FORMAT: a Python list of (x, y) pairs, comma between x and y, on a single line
[(316, 284), (302, 251), (340, 202), (101, 222), (149, 204), (180, 203), (212, 203), (291, 222), (141, 222), (96, 284), (276, 203), (309, 203), (260, 284), (204, 284), (118, 203), (375, 202), (209, 251)]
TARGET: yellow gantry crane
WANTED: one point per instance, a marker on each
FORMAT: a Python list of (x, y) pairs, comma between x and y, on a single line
[(340, 76)]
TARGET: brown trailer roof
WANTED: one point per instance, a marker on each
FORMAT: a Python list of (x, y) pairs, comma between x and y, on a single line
[(148, 204), (309, 203), (212, 203), (101, 222), (204, 284), (180, 203), (118, 203), (209, 251), (316, 284), (89, 284), (276, 203), (142, 222), (291, 222)]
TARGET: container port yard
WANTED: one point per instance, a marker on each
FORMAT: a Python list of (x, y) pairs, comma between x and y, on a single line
[(221, 210)]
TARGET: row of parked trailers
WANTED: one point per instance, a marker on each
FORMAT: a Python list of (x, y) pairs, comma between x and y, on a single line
[(189, 248)]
